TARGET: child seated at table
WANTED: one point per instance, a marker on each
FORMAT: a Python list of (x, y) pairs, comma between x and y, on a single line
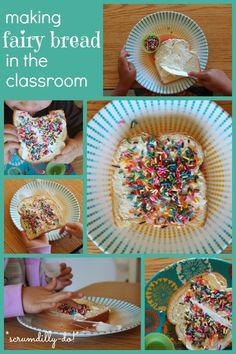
[(213, 80), (74, 144), (26, 290)]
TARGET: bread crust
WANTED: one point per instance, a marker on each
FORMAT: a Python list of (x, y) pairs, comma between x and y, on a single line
[(201, 215), (176, 309), (60, 144)]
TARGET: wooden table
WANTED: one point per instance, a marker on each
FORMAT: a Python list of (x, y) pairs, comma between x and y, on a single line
[(215, 21), (94, 107), (13, 239), (124, 340), (154, 265)]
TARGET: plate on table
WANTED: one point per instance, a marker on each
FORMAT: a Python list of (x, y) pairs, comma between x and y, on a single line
[(165, 283), (122, 314), (165, 24), (66, 200), (205, 121)]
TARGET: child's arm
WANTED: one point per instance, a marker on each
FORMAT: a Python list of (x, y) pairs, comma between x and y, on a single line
[(19, 299), (13, 301), (11, 141), (127, 74), (40, 245), (214, 80)]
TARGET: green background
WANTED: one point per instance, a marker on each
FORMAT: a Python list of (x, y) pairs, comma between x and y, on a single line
[(78, 18)]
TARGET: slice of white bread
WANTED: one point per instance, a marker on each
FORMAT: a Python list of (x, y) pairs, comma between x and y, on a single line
[(39, 214), (83, 309), (41, 138), (176, 54), (127, 208), (179, 307)]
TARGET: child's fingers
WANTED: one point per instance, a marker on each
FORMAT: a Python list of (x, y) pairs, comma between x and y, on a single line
[(65, 277), (25, 239), (62, 266), (9, 128), (62, 230), (202, 75), (8, 137), (52, 285), (131, 66), (58, 297), (47, 306), (11, 146), (67, 283), (65, 271), (73, 226), (77, 295)]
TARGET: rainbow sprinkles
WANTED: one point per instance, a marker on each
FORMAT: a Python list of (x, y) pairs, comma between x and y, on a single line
[(41, 138), (159, 181)]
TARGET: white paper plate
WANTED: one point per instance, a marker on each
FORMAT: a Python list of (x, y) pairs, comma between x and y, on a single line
[(121, 313), (163, 23), (65, 198), (205, 121)]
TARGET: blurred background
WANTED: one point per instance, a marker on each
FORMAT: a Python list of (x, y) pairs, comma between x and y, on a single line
[(87, 271)]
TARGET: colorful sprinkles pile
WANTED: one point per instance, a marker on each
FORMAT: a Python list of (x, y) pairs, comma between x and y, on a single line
[(40, 212), (39, 136), (151, 43), (67, 309), (162, 179), (201, 329)]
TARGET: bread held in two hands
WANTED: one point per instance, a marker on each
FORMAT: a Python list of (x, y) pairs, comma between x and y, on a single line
[(41, 138)]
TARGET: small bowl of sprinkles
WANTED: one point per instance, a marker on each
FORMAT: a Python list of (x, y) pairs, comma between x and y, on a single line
[(150, 43)]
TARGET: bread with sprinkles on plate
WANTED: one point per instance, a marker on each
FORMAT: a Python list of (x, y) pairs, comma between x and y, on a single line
[(83, 309), (201, 311), (158, 181), (39, 214), (41, 138)]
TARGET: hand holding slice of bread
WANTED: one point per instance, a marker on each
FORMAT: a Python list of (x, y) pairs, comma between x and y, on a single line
[(201, 311), (39, 214), (41, 138)]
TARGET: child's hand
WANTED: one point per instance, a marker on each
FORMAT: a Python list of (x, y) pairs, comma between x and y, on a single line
[(40, 241), (64, 279), (11, 141), (74, 229), (127, 74), (214, 80), (69, 153), (36, 299)]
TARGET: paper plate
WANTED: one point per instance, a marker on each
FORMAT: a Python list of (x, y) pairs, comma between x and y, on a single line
[(65, 198), (205, 121), (166, 282), (164, 23), (121, 313)]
